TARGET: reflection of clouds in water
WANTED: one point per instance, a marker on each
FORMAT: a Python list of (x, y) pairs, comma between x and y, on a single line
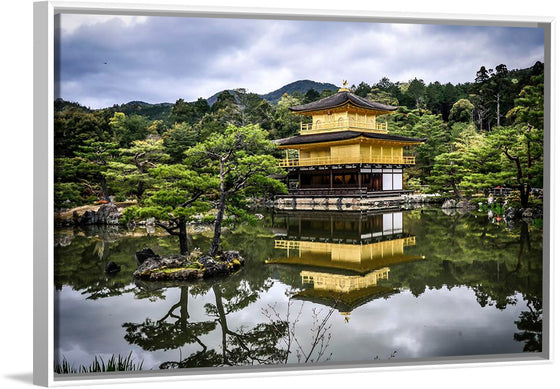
[(437, 323)]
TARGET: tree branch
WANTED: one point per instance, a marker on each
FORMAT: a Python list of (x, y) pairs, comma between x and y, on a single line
[(195, 196), (170, 230)]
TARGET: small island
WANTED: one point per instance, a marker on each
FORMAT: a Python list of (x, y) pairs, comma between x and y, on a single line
[(193, 266)]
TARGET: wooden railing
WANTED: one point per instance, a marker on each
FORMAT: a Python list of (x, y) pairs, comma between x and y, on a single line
[(397, 160), (342, 124), (297, 244), (313, 192)]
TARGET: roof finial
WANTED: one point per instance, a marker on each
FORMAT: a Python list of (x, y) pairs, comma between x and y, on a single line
[(344, 86)]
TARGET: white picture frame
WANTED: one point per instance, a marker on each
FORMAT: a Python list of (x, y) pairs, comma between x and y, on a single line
[(44, 13)]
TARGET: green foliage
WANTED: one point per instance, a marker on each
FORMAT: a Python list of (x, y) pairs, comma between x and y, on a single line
[(189, 113), (127, 129), (286, 123), (179, 138), (462, 111), (67, 195), (310, 96), (529, 105), (448, 172), (118, 363), (239, 160), (242, 153), (362, 89), (113, 151), (73, 126), (129, 174)]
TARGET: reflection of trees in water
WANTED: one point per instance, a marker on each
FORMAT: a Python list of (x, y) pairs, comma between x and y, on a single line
[(81, 265), (320, 332), (525, 274), (505, 263), (268, 342), (238, 347), (530, 325), (496, 263)]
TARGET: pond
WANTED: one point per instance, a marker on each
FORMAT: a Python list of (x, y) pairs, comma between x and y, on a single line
[(316, 287)]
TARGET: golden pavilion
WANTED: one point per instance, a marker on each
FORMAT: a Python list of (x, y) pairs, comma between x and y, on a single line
[(345, 150)]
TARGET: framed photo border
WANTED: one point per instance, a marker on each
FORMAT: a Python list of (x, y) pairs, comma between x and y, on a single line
[(43, 180)]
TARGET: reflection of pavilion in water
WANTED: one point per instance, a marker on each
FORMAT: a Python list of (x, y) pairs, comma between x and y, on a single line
[(344, 256)]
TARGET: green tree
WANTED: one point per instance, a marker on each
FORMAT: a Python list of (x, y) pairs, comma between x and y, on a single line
[(437, 137), (417, 90), (177, 139), (127, 129), (362, 89), (529, 105), (75, 125), (448, 172), (181, 112), (521, 147), (382, 96), (176, 197), (462, 111), (238, 159), (92, 161), (521, 144), (311, 95), (129, 173), (286, 124), (157, 127)]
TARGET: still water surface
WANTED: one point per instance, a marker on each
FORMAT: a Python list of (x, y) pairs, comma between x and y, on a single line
[(315, 288)]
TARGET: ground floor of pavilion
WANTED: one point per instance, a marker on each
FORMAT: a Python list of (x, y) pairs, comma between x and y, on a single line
[(346, 180)]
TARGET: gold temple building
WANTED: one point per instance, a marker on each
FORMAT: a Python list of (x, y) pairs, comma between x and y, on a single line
[(346, 151)]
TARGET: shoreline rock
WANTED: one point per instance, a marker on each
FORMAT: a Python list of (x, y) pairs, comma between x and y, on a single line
[(104, 214), (186, 267)]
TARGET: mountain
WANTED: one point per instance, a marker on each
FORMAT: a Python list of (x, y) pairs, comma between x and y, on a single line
[(301, 86), (159, 111), (212, 99)]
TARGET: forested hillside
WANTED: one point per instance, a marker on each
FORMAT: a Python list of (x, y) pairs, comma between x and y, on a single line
[(480, 134)]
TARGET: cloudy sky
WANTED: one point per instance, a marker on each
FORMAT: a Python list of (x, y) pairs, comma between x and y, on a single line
[(106, 60)]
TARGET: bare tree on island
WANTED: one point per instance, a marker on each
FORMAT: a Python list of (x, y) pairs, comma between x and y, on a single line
[(241, 160)]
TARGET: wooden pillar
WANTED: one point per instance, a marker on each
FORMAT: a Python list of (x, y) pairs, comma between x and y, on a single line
[(359, 178), (331, 178)]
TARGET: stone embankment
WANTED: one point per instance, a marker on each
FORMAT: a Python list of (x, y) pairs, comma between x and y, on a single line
[(510, 215), (106, 214)]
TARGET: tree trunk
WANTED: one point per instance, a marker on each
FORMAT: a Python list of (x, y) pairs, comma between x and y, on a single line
[(498, 109), (222, 320), (456, 190), (104, 187), (524, 191), (183, 238), (184, 316), (220, 215), (218, 226)]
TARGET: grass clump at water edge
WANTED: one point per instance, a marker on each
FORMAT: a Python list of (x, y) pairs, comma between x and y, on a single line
[(118, 363)]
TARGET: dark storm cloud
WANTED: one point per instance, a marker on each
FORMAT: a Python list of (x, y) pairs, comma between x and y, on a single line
[(114, 60)]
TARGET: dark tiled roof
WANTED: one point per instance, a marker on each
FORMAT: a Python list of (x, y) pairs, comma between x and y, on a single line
[(342, 135), (338, 100)]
